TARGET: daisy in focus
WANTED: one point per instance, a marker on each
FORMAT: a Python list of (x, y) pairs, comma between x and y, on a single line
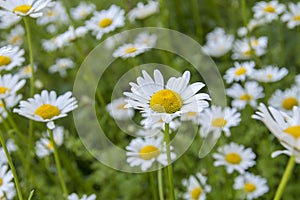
[(130, 50), (239, 72), (47, 107), (269, 74), (197, 188), (251, 186), (268, 11), (118, 111), (7, 187), (144, 152), (61, 65), (293, 16), (166, 102), (82, 10), (10, 57), (234, 157), (9, 85), (143, 10), (74, 196)]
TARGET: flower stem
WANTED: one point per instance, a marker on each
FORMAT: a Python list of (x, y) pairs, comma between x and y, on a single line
[(11, 165), (58, 166), (285, 178), (153, 187), (170, 168), (160, 184)]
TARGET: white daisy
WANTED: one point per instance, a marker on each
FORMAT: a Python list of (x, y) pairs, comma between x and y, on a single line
[(9, 85), (196, 186), (217, 119), (8, 19), (165, 102), (106, 21), (33, 8), (173, 125), (25, 72), (239, 72), (252, 24), (247, 95), (252, 186), (44, 146), (82, 10), (54, 13), (118, 111), (74, 196), (234, 157), (285, 100), (10, 102), (146, 39), (47, 107), (129, 50), (143, 10), (268, 10), (7, 187), (243, 50), (269, 74), (15, 37), (293, 17), (190, 116), (61, 65), (10, 57), (144, 152)]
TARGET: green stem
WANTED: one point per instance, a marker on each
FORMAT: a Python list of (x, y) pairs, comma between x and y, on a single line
[(160, 184), (58, 166), (196, 14), (245, 15), (285, 178), (13, 170), (153, 186), (170, 168)]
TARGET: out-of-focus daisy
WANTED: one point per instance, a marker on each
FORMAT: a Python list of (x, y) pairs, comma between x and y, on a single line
[(269, 74), (239, 71), (196, 187), (10, 57), (55, 13), (106, 21), (173, 125), (146, 39), (234, 157), (9, 85), (10, 102), (148, 132), (143, 10), (7, 187), (8, 19), (243, 96), (269, 11), (82, 10), (217, 119), (285, 100), (33, 8), (15, 37), (47, 107), (190, 116), (61, 65), (74, 196), (25, 72), (252, 24), (218, 43), (165, 102), (259, 43), (244, 49), (129, 50), (11, 147), (44, 146), (293, 17), (252, 186), (286, 128), (118, 111), (144, 152)]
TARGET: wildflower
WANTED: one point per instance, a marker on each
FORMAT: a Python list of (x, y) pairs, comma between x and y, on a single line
[(61, 65), (10, 57), (197, 188), (129, 50), (143, 10), (9, 85), (15, 37), (239, 71), (118, 111), (82, 10), (55, 13), (7, 187), (10, 102), (244, 49), (269, 11), (293, 17), (8, 19), (269, 74), (74, 196), (146, 39), (25, 72)]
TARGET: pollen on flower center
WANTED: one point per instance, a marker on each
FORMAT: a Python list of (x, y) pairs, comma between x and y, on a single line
[(130, 50), (248, 52), (289, 103), (47, 111), (269, 9), (240, 71), (50, 145), (246, 97), (1, 181), (297, 18), (148, 152), (233, 158), (293, 131), (4, 60), (22, 8), (166, 101), (269, 76), (219, 122), (105, 22), (249, 187), (3, 90), (195, 193), (121, 106), (191, 114)]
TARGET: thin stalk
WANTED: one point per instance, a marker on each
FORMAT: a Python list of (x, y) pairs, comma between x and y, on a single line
[(160, 184), (196, 14), (153, 186)]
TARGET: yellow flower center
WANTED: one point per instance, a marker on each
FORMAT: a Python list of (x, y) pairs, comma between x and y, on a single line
[(50, 145), (248, 52), (246, 97), (3, 90), (4, 60), (22, 8), (50, 13), (297, 18), (105, 22), (130, 50), (249, 187), (15, 39), (240, 71), (47, 111), (121, 106), (269, 76), (196, 192), (254, 42), (27, 70), (269, 9), (293, 131), (1, 181), (233, 158), (166, 101), (219, 122), (289, 103), (191, 114), (148, 152)]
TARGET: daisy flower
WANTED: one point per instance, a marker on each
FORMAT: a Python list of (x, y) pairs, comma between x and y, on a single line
[(7, 187), (196, 186), (106, 21), (144, 152), (54, 13), (10, 57), (285, 100), (61, 65), (243, 49), (10, 102), (165, 102), (118, 111), (146, 39), (234, 157), (173, 125), (286, 128), (190, 116), (247, 95), (268, 10), (143, 10), (82, 10), (252, 186), (47, 107), (25, 72), (129, 50), (32, 8), (293, 17), (9, 85), (239, 71), (44, 146), (8, 19), (15, 37), (269, 74), (74, 196), (217, 119)]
